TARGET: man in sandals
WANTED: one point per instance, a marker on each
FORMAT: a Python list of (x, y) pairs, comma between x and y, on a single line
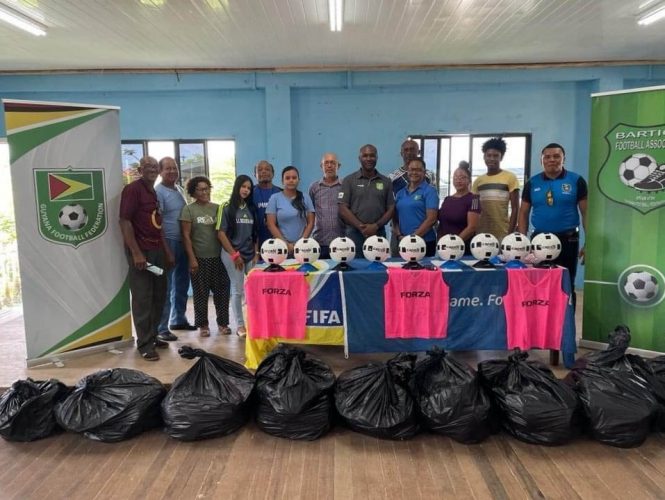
[(146, 249)]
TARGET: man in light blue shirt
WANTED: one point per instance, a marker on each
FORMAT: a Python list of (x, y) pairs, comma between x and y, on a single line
[(171, 199)]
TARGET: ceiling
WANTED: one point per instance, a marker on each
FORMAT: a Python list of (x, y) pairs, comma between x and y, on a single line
[(294, 34)]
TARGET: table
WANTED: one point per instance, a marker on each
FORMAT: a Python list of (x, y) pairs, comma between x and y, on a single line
[(476, 319)]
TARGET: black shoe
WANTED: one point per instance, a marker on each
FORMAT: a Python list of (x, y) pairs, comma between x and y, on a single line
[(160, 344), (168, 336), (183, 326)]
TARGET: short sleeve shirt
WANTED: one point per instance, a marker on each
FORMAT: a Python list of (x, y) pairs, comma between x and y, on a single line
[(328, 224), (139, 205), (453, 214), (494, 192), (412, 208), (171, 201), (368, 198), (203, 233), (289, 220), (243, 236), (565, 192)]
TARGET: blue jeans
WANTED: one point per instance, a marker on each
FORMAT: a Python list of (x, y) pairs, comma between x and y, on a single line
[(177, 287), (237, 278)]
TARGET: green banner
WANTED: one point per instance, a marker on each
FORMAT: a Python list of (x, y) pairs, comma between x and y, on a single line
[(625, 235)]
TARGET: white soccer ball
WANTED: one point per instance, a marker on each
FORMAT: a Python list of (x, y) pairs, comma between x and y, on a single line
[(376, 248), (484, 246), (636, 168), (73, 217), (274, 251), (515, 246), (450, 247), (342, 249), (306, 250), (412, 248), (641, 286), (546, 246)]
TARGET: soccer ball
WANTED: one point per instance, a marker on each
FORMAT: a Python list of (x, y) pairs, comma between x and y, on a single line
[(342, 249), (274, 251), (636, 168), (546, 246), (450, 247), (484, 246), (641, 286), (73, 217), (376, 248), (515, 246), (306, 250), (412, 248)]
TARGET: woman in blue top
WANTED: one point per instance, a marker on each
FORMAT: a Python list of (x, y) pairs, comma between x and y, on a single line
[(290, 213), (416, 207)]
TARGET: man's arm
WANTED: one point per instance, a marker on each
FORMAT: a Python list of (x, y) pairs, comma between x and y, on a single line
[(348, 216), (130, 241), (514, 209), (523, 221), (582, 204)]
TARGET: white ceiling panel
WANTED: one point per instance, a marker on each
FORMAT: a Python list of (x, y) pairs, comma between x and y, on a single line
[(241, 34)]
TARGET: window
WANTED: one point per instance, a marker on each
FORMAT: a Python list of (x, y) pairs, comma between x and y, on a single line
[(10, 281), (443, 153), (213, 158)]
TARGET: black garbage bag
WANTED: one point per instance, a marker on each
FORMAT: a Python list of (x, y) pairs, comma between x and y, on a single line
[(532, 404), (294, 394), (450, 399), (112, 405), (211, 399), (375, 398), (26, 409), (616, 393)]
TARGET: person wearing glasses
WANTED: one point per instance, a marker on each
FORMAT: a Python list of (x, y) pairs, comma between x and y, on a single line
[(198, 222), (460, 211), (554, 200), (324, 193)]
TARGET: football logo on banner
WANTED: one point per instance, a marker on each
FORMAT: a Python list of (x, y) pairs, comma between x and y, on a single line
[(634, 171), (71, 206)]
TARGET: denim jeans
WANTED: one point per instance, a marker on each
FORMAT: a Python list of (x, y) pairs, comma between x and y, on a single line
[(237, 278), (177, 288)]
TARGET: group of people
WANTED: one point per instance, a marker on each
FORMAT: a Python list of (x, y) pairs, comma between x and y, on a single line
[(216, 245)]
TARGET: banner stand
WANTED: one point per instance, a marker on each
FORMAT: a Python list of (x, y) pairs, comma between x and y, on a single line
[(86, 351)]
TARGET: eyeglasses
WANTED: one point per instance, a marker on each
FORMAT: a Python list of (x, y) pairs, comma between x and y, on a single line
[(204, 190)]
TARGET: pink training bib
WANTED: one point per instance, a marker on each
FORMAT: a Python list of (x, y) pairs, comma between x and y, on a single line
[(416, 304)]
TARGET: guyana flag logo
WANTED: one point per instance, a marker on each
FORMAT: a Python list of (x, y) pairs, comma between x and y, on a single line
[(71, 205)]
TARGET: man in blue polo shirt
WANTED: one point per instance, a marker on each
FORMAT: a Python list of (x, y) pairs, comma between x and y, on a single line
[(416, 207), (555, 199)]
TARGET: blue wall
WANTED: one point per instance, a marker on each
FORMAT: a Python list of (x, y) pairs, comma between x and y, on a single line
[(292, 118)]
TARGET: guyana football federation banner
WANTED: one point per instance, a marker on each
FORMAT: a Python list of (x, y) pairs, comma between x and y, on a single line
[(66, 178), (625, 234)]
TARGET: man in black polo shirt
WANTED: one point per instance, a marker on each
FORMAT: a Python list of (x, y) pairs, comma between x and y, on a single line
[(366, 201)]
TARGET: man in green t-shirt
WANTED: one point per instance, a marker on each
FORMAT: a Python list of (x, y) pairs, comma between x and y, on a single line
[(497, 189)]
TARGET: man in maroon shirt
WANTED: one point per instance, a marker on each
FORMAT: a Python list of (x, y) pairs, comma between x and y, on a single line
[(141, 226)]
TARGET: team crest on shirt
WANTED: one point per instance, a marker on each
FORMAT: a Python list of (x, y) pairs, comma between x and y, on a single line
[(379, 186), (418, 197), (566, 188)]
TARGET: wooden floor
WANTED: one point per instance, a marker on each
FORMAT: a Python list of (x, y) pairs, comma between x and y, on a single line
[(342, 465)]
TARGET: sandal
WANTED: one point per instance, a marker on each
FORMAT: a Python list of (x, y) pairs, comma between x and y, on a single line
[(204, 331), (224, 330), (150, 356)]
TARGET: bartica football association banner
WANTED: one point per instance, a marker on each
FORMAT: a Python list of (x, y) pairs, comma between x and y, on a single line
[(625, 233), (66, 179)]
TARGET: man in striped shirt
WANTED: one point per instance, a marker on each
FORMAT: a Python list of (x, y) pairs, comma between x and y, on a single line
[(325, 193)]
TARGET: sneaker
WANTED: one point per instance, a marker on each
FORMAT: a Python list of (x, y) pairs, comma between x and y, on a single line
[(160, 344), (167, 336), (655, 181), (150, 356), (182, 326)]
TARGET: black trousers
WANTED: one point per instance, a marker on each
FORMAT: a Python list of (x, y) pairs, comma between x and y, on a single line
[(148, 295)]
